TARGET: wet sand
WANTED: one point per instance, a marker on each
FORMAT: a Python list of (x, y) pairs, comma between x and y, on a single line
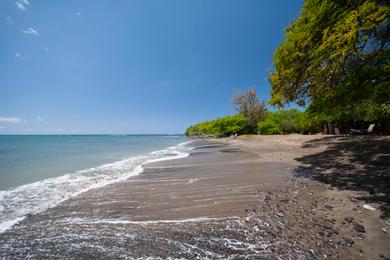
[(252, 197)]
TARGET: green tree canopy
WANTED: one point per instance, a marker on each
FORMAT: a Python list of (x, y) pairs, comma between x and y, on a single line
[(335, 58), (223, 126)]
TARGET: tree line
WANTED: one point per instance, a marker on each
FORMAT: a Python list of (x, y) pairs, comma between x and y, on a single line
[(334, 61)]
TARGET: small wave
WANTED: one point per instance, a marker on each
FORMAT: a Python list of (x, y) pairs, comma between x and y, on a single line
[(36, 197), (84, 221)]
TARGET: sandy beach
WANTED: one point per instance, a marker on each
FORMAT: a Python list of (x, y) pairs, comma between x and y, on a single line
[(255, 197)]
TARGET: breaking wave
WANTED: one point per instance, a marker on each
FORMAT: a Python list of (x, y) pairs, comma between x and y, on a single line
[(16, 204)]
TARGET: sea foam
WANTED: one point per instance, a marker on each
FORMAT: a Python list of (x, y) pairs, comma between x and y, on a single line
[(36, 197)]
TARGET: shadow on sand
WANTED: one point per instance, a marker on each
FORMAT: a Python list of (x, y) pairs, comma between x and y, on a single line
[(359, 163)]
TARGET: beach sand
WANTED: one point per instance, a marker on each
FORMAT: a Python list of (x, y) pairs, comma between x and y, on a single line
[(258, 197)]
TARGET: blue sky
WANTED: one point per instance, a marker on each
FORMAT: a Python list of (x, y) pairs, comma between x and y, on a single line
[(127, 66)]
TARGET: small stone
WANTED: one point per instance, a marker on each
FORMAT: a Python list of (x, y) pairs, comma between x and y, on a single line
[(328, 206), (353, 199), (360, 236), (349, 219), (349, 241), (368, 207)]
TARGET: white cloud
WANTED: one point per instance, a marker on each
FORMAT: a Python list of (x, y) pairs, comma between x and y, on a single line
[(30, 30), (40, 119), (10, 120), (22, 4)]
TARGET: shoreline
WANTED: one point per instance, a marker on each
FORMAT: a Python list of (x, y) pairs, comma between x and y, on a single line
[(247, 197), (168, 153)]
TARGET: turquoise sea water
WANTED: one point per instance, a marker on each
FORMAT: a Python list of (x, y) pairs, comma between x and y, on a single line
[(25, 159), (38, 172)]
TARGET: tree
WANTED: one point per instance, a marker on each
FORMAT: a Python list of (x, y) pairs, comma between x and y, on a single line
[(250, 106), (336, 59), (223, 126)]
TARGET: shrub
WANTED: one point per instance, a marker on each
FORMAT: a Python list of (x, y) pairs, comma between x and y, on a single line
[(220, 127), (286, 122), (277, 122), (268, 128)]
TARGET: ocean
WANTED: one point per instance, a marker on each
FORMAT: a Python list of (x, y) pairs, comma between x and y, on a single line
[(40, 171)]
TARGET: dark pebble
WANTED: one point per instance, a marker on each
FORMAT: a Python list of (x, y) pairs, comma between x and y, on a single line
[(359, 227), (328, 206), (349, 219), (349, 241)]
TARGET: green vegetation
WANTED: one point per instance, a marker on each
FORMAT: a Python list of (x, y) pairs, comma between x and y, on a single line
[(287, 122), (278, 122), (251, 107), (335, 59), (223, 126), (269, 127)]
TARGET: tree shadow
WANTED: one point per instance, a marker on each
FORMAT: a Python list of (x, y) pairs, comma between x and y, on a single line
[(360, 163)]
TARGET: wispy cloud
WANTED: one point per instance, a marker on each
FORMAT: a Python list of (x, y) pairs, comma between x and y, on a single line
[(78, 13), (9, 20), (22, 4), (17, 55), (10, 120), (56, 130), (30, 30), (40, 119)]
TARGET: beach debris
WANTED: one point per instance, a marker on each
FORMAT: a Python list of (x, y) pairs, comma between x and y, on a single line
[(368, 207)]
